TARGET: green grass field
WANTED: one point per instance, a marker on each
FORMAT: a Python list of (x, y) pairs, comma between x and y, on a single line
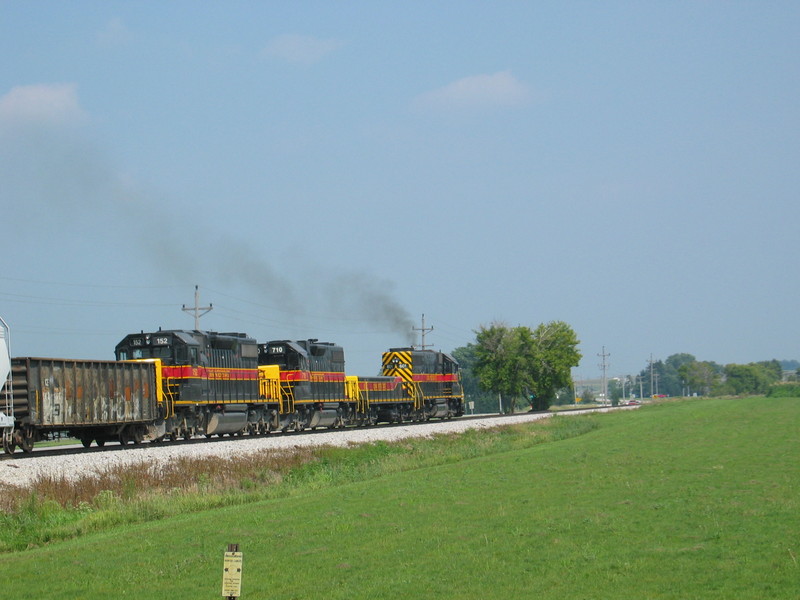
[(682, 499)]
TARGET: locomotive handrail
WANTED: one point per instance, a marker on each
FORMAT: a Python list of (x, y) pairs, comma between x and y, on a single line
[(169, 396), (164, 395), (269, 387), (362, 399), (419, 398), (7, 413), (287, 398)]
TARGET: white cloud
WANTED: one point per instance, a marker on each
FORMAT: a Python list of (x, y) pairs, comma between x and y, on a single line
[(42, 103), (300, 49), (477, 91), (115, 33)]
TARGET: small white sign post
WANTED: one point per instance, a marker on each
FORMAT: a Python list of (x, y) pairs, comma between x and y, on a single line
[(232, 573)]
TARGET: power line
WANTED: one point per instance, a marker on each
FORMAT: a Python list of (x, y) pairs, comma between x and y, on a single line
[(91, 285), (67, 302)]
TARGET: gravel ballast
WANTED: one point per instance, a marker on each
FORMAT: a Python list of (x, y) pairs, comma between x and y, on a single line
[(24, 471)]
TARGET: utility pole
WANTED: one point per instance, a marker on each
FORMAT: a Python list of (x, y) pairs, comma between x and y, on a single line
[(651, 376), (422, 329), (604, 366), (197, 308)]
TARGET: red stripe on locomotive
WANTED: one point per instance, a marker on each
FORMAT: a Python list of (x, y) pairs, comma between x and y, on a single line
[(188, 371), (434, 377), (379, 386), (315, 376)]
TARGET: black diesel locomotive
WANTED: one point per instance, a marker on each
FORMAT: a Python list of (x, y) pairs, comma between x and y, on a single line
[(179, 384)]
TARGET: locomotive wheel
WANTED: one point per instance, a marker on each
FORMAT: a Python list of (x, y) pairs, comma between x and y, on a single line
[(124, 438), (100, 442), (138, 436), (26, 443), (9, 445), (86, 442)]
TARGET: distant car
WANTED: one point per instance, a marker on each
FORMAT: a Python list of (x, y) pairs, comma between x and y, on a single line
[(633, 402)]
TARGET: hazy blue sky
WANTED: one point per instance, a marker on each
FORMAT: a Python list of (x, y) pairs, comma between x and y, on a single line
[(336, 169)]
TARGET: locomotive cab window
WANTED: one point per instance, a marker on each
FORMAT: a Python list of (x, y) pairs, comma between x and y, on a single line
[(180, 355)]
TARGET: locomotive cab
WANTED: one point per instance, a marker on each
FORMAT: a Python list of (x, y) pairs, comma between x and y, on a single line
[(171, 347), (312, 378), (193, 348), (289, 356)]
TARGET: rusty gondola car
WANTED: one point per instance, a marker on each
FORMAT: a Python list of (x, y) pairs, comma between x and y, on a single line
[(87, 400)]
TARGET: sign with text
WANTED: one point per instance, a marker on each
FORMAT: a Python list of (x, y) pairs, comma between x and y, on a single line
[(232, 575)]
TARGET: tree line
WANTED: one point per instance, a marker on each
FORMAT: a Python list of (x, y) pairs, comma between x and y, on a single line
[(684, 375), (509, 368)]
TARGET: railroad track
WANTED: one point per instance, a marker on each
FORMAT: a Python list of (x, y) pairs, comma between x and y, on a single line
[(77, 461)]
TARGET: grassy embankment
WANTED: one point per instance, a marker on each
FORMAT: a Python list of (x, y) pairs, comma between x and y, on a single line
[(688, 499)]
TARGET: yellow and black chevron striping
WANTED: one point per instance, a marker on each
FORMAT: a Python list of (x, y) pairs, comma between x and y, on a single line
[(398, 363)]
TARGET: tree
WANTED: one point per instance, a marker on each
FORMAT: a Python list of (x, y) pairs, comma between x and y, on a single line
[(500, 353), (701, 376), (615, 391), (587, 396), (772, 369), (666, 375), (466, 357), (517, 362), (753, 378), (556, 353)]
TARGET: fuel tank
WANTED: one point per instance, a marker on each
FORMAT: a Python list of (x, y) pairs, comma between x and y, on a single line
[(233, 419)]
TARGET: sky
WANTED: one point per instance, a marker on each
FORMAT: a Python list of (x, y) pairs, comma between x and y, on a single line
[(335, 170)]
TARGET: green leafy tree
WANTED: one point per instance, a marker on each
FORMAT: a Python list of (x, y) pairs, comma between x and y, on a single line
[(499, 363), (701, 376), (772, 369), (565, 396), (520, 363), (484, 401), (556, 352), (753, 378), (666, 375)]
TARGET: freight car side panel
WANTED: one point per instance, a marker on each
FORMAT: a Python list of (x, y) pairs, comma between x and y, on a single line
[(75, 393)]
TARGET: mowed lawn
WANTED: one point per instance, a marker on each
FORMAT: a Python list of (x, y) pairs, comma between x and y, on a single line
[(684, 499)]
